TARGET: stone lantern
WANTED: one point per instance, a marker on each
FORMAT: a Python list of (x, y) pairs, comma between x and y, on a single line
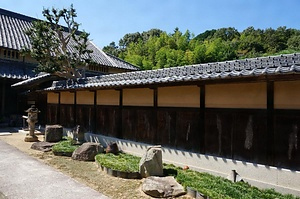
[(32, 119)]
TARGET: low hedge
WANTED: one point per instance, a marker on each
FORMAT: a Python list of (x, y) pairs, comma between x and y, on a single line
[(218, 187), (209, 185), (65, 147), (120, 162)]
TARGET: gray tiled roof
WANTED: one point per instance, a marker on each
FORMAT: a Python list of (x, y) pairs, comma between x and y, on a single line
[(32, 80), (274, 65), (12, 36), (16, 70)]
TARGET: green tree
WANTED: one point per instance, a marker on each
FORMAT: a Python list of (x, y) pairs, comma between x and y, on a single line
[(208, 34), (111, 49), (151, 33), (294, 42), (219, 50), (50, 43), (251, 42), (188, 57), (135, 60), (157, 49), (183, 41), (147, 64), (135, 53), (276, 40), (227, 34), (199, 53), (161, 58), (151, 48), (129, 38)]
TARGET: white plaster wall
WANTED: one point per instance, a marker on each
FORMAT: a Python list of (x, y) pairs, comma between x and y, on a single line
[(108, 97), (138, 97), (287, 95), (178, 96), (233, 95), (282, 180), (52, 98), (67, 98)]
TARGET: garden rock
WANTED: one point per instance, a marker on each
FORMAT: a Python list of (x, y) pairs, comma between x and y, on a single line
[(112, 148), (53, 133), (151, 162), (87, 151), (42, 146), (162, 187)]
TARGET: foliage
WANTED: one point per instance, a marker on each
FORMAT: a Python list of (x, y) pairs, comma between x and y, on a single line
[(218, 187), (65, 146), (156, 49), (119, 162), (51, 44), (207, 184)]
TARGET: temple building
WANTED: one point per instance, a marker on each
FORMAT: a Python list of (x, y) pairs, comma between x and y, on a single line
[(15, 68)]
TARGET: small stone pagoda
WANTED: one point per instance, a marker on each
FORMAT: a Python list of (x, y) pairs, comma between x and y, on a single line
[(32, 120)]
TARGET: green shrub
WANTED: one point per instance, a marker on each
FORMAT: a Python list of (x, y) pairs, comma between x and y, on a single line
[(207, 184), (119, 162), (65, 146)]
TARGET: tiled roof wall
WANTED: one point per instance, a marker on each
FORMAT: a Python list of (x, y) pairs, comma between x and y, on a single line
[(282, 64), (16, 70), (32, 80), (12, 26)]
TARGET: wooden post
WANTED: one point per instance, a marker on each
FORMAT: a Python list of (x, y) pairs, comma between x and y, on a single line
[(155, 110), (155, 97), (75, 107), (270, 122), (95, 111), (120, 131), (58, 111), (201, 137)]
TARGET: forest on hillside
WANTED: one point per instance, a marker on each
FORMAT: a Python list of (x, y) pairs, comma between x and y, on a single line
[(156, 49)]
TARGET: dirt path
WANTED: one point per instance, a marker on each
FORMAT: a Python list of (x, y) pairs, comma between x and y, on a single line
[(84, 172)]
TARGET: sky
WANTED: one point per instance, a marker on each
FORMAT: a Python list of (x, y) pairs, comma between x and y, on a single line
[(110, 20)]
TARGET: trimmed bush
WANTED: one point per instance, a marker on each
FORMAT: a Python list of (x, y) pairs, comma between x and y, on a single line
[(120, 162), (218, 187), (207, 184), (64, 148)]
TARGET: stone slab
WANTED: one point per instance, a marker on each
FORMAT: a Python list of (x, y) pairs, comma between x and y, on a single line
[(5, 133), (36, 132)]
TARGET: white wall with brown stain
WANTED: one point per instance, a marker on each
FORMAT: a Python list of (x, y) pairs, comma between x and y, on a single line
[(52, 98), (287, 95), (178, 96), (243, 95), (138, 97), (85, 97), (67, 98), (108, 97)]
